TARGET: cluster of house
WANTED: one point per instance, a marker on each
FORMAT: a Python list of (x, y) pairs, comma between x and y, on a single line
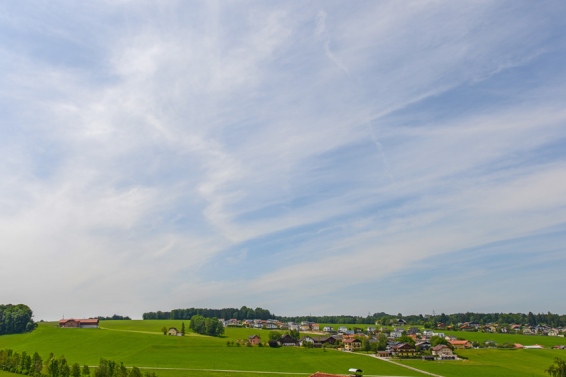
[(350, 340), (272, 324), (513, 328), (466, 326)]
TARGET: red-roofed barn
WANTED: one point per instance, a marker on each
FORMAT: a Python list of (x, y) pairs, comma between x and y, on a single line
[(91, 323)]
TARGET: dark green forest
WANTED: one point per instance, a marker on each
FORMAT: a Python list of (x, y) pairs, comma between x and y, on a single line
[(16, 319), (226, 313)]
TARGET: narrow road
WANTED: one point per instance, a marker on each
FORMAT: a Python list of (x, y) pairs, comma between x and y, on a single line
[(256, 371), (408, 367)]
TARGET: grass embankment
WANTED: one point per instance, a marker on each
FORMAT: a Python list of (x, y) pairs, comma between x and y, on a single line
[(142, 344), (499, 338), (493, 363), (7, 374)]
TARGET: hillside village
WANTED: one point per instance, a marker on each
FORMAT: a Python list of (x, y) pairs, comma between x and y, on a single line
[(397, 340)]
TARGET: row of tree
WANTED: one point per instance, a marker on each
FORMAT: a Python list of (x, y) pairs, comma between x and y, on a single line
[(115, 317), (549, 319), (242, 313), (16, 319), (33, 365), (554, 320), (206, 326)]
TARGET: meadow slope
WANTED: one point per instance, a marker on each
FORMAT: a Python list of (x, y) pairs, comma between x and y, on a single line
[(142, 344)]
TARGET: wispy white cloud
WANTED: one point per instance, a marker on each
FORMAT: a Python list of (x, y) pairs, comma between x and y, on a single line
[(190, 154)]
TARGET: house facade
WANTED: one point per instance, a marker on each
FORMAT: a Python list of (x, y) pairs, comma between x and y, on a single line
[(352, 344), (173, 331), (461, 344), (443, 352), (403, 350), (254, 340), (288, 341)]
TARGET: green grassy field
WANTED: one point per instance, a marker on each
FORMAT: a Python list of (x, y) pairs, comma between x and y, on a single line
[(142, 344), (493, 363), (6, 374), (547, 341)]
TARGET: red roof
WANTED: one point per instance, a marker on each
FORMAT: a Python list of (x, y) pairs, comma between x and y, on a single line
[(351, 341), (459, 342), (90, 320)]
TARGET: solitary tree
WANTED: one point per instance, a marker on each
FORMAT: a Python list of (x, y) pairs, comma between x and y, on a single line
[(86, 371), (76, 370), (294, 334), (436, 340), (135, 372), (365, 344), (381, 342), (275, 335), (558, 369), (406, 339)]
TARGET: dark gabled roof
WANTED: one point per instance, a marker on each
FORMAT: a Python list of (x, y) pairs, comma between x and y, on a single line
[(351, 340), (403, 346), (439, 347), (287, 339)]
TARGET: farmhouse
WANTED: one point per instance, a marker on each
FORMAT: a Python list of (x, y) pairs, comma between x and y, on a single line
[(352, 345), (91, 323), (460, 344), (443, 352), (288, 341), (403, 350), (173, 331), (254, 339), (423, 345)]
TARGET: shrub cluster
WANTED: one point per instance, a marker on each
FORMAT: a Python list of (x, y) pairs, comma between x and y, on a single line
[(206, 326), (25, 364), (16, 319)]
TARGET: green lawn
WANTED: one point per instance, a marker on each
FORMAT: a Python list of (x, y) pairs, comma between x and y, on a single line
[(142, 344), (6, 374), (493, 363), (547, 341)]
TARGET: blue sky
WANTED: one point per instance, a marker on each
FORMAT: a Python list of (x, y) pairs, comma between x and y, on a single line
[(304, 157)]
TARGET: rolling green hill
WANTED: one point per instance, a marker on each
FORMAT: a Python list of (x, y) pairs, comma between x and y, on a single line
[(141, 344)]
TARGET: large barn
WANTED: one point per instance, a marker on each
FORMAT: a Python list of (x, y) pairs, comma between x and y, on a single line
[(79, 323)]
